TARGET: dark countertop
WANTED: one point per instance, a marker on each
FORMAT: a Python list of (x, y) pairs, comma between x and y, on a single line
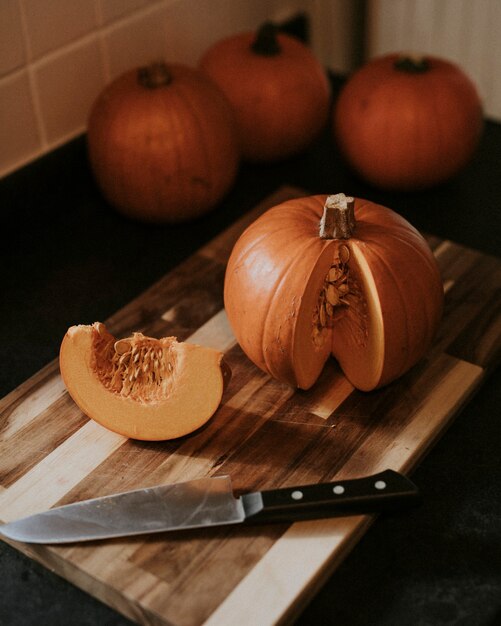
[(68, 258)]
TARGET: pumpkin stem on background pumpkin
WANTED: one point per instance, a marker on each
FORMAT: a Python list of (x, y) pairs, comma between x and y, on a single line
[(338, 219), (154, 75), (412, 63), (266, 42)]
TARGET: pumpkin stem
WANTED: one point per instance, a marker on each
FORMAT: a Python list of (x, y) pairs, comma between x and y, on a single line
[(266, 42), (413, 64), (154, 75), (338, 219)]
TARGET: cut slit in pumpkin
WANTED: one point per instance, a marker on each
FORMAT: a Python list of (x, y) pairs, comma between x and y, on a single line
[(358, 342), (352, 331), (141, 387)]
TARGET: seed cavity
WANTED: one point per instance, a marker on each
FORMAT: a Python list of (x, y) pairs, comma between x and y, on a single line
[(333, 296), (139, 367)]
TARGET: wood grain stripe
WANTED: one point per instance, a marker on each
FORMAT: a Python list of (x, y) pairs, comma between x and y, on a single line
[(442, 248), (288, 569), (215, 333), (333, 398), (51, 478), (134, 581), (30, 385), (448, 285), (428, 420), (38, 438), (81, 566), (247, 391), (33, 405)]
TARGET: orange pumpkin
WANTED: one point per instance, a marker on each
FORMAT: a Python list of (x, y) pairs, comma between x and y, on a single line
[(408, 124), (278, 90), (320, 276), (141, 387), (162, 143)]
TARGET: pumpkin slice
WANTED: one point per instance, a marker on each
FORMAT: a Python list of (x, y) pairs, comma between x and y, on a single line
[(141, 387)]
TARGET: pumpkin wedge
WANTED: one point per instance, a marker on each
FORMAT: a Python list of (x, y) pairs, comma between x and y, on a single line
[(333, 275), (141, 387)]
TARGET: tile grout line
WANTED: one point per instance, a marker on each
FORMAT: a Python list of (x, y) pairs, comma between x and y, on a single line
[(35, 99), (99, 35)]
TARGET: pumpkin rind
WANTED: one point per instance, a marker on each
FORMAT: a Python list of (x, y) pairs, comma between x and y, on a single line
[(163, 154), (274, 276), (270, 266), (281, 101), (406, 130), (193, 391)]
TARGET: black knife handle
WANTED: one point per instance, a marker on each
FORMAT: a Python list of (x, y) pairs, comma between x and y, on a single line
[(386, 491)]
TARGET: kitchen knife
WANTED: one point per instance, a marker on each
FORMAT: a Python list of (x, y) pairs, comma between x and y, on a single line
[(209, 502)]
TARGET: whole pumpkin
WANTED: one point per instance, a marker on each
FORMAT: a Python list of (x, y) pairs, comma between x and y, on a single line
[(326, 275), (277, 87), (408, 123), (162, 143)]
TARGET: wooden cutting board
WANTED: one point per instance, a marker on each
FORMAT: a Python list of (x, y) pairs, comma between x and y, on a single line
[(264, 435)]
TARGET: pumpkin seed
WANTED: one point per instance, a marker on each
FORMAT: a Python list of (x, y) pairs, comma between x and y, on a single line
[(331, 294), (344, 254), (122, 346), (323, 316), (334, 274)]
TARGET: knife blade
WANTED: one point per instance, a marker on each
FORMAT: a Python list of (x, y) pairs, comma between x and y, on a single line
[(209, 502)]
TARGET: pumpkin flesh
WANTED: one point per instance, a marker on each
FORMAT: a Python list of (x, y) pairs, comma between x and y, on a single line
[(141, 387)]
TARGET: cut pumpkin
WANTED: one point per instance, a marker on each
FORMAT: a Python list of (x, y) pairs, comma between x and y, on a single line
[(333, 275), (141, 387)]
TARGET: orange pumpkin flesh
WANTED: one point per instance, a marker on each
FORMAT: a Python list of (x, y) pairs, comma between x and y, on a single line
[(386, 290), (140, 387), (277, 88)]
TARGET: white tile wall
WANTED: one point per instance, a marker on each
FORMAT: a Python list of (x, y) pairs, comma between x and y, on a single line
[(111, 10), (66, 85), (19, 132), (56, 55), (12, 48), (50, 24)]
